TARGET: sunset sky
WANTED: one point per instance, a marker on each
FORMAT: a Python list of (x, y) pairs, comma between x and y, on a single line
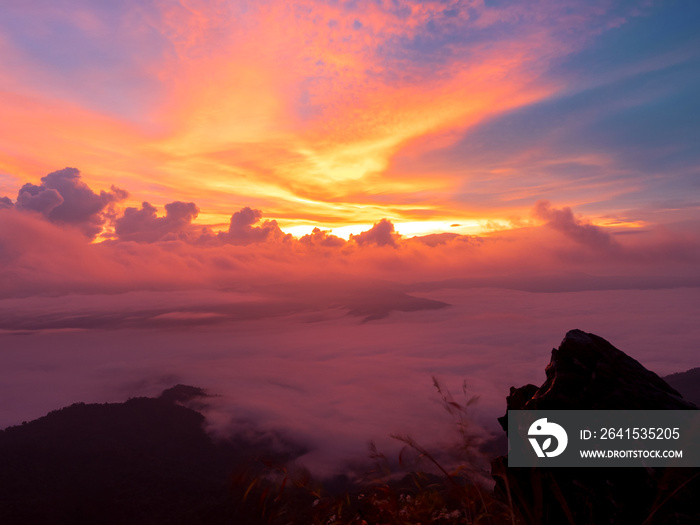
[(250, 196), (338, 114)]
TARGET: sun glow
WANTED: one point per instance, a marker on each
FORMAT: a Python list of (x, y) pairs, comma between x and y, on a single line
[(406, 229), (318, 114), (418, 228)]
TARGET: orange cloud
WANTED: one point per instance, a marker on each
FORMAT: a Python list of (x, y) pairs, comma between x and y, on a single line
[(296, 109), (166, 253)]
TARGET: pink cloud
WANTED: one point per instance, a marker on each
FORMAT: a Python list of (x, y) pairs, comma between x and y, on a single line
[(322, 238), (6, 203), (242, 229), (381, 234), (328, 343), (563, 220), (143, 225), (44, 256), (330, 381), (64, 198)]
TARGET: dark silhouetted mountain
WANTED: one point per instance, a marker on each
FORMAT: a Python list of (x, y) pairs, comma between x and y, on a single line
[(145, 461), (586, 372), (182, 394), (688, 383)]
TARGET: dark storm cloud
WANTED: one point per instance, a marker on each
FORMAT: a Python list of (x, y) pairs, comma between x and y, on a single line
[(6, 203), (64, 198), (142, 225)]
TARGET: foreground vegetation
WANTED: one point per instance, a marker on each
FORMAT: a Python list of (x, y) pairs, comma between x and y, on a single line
[(148, 461), (418, 487)]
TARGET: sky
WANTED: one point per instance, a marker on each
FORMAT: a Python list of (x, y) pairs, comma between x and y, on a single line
[(312, 208), (338, 114)]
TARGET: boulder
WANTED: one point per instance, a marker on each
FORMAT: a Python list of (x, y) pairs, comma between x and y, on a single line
[(586, 372)]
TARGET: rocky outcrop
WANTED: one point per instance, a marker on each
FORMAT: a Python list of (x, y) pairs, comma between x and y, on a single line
[(586, 372)]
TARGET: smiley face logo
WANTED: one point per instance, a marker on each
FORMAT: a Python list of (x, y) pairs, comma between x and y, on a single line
[(540, 435)]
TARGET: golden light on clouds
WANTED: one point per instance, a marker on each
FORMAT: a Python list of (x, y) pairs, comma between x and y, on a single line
[(310, 111), (320, 200)]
